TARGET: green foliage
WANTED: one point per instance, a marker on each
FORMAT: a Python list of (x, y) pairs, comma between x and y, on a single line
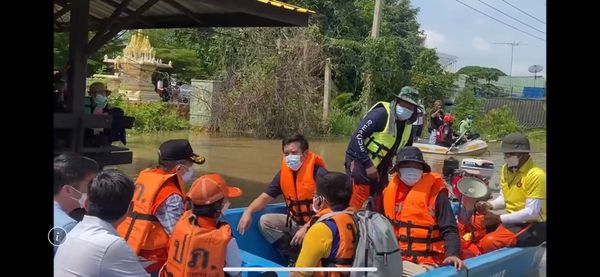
[(185, 62), (270, 92), (339, 123), (345, 27), (466, 104), (344, 103), (429, 78), (480, 78), (497, 123), (95, 64), (479, 72), (150, 116)]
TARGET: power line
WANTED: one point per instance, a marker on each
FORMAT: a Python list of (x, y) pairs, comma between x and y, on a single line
[(512, 17), (524, 12), (500, 21)]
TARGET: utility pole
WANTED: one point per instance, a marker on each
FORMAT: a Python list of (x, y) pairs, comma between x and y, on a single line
[(326, 89), (368, 91), (376, 19), (512, 47)]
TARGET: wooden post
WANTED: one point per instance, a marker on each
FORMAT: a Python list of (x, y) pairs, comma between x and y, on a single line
[(326, 89), (278, 43), (78, 38), (305, 57)]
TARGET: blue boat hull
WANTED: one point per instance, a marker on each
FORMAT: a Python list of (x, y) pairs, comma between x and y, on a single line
[(257, 252)]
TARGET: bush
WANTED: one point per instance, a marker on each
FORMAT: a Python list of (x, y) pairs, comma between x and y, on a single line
[(497, 123), (272, 93), (340, 123), (150, 116), (466, 104)]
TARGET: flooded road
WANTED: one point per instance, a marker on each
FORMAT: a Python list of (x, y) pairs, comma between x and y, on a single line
[(251, 163)]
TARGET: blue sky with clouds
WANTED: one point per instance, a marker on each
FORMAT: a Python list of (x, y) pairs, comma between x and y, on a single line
[(455, 29)]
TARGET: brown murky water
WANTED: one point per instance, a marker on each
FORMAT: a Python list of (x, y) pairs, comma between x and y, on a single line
[(251, 163)]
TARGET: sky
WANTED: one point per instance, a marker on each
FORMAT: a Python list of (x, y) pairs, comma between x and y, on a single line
[(455, 29)]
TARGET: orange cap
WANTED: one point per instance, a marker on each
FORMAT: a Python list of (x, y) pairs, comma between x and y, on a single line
[(211, 188)]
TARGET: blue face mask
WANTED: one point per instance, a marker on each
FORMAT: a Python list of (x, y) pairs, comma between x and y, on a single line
[(403, 113), (294, 162), (100, 100)]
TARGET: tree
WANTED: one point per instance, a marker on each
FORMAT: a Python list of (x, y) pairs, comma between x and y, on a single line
[(497, 123), (466, 104), (487, 74), (345, 26), (185, 63), (477, 72), (428, 77), (95, 61), (182, 48)]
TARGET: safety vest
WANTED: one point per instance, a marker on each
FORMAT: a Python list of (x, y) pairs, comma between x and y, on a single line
[(412, 213), (141, 229), (299, 193), (198, 247), (467, 126), (343, 247), (379, 144)]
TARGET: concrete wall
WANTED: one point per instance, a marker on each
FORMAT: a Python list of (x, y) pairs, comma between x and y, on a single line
[(201, 101)]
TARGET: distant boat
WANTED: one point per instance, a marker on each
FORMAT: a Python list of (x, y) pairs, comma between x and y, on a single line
[(474, 147)]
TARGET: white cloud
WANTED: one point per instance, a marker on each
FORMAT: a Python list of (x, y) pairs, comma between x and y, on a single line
[(434, 39), (481, 44)]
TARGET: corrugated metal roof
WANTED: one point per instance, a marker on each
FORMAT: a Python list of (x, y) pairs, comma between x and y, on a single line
[(286, 6), (529, 112), (212, 13)]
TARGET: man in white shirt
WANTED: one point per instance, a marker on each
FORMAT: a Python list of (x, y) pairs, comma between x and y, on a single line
[(418, 124), (93, 247), (72, 174)]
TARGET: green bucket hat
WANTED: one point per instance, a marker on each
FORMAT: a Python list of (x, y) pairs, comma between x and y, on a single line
[(515, 143), (409, 95)]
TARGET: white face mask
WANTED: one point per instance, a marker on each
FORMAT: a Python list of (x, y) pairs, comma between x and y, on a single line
[(81, 199), (403, 113), (188, 175), (294, 162), (225, 208), (512, 161), (410, 176), (317, 203)]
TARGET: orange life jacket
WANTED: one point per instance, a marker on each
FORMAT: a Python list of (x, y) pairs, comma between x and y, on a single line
[(298, 193), (141, 229), (470, 234), (412, 213), (197, 247), (343, 246)]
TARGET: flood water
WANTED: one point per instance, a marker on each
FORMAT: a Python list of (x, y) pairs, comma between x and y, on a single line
[(251, 163)]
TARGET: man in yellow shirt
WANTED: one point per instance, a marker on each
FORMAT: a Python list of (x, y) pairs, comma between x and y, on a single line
[(332, 241), (523, 195)]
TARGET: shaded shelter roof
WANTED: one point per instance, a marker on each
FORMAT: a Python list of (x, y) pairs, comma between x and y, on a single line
[(161, 14)]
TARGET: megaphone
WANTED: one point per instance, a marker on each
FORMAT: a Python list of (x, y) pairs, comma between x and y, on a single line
[(473, 188)]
